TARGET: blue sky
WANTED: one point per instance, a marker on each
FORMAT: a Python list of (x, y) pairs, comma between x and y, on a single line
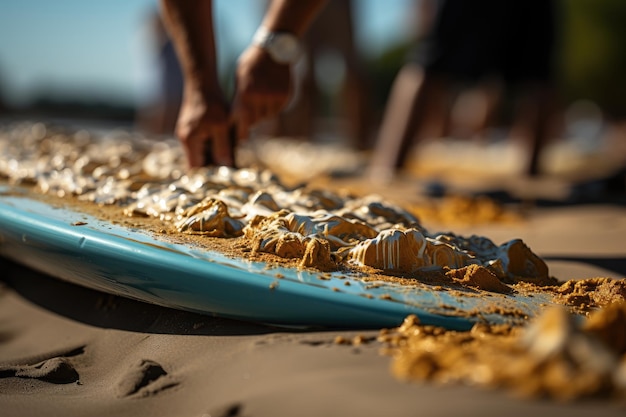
[(80, 47)]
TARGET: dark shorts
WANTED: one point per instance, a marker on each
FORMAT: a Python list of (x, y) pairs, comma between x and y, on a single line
[(474, 39)]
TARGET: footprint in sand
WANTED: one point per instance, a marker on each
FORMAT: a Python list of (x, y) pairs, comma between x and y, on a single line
[(144, 378), (56, 370), (230, 410)]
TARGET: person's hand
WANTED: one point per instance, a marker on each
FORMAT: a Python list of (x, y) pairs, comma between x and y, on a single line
[(204, 117), (263, 89)]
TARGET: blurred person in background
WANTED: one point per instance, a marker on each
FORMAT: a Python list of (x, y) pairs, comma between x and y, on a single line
[(473, 42), (330, 37), (158, 114)]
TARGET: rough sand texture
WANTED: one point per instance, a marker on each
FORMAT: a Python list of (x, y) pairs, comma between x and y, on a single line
[(136, 359)]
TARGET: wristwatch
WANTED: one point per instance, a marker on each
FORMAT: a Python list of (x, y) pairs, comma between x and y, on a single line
[(283, 47)]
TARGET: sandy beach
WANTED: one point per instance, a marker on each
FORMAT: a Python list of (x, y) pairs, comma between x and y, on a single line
[(70, 351)]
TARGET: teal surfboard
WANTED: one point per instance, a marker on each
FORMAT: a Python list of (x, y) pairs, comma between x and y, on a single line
[(98, 254)]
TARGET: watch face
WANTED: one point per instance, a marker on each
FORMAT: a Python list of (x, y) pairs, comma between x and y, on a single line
[(285, 48)]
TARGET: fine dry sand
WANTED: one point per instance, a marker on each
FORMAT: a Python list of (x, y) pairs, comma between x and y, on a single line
[(69, 351)]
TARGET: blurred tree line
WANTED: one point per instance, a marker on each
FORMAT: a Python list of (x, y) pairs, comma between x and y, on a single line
[(593, 58)]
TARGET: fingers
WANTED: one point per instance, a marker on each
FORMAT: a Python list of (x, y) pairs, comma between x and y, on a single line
[(220, 144), (247, 112), (220, 151)]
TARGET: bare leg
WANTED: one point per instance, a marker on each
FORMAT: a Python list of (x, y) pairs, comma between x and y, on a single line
[(474, 110), (355, 106), (332, 30), (414, 95), (533, 122)]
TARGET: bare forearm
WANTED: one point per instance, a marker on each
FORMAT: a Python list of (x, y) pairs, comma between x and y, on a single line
[(190, 25), (293, 16), (204, 113)]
